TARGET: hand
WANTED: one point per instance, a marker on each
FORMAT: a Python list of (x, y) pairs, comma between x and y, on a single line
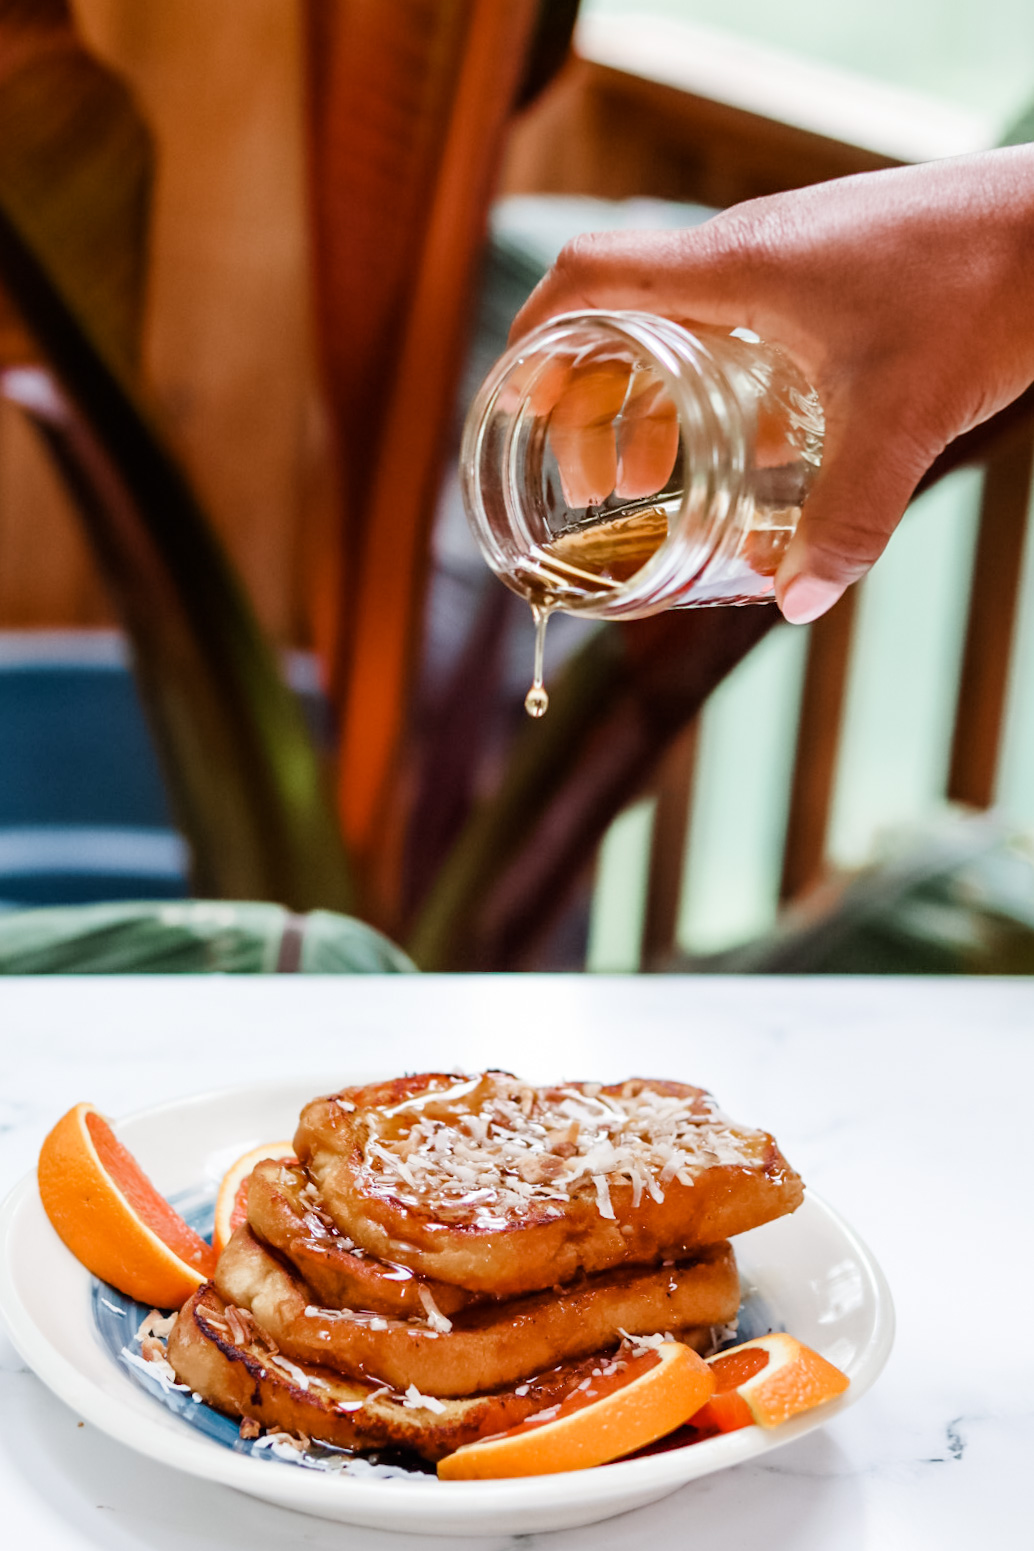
[(906, 297)]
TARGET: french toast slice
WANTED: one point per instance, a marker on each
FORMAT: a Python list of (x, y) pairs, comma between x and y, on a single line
[(284, 1211), (501, 1188), (486, 1347), (214, 1350)]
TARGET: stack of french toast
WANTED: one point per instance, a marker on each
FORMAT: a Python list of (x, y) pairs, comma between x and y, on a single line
[(448, 1255)]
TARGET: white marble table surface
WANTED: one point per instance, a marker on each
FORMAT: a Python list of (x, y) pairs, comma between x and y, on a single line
[(907, 1104)]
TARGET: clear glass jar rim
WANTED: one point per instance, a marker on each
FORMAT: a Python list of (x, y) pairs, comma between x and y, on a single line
[(700, 391)]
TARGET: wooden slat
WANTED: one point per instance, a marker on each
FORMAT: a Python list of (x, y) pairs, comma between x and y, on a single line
[(818, 741), (980, 708), (789, 88), (983, 443), (673, 787), (599, 131)]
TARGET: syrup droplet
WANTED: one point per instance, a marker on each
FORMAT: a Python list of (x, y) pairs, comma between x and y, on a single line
[(536, 701)]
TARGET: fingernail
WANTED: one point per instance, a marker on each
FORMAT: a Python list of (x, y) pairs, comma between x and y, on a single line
[(807, 597)]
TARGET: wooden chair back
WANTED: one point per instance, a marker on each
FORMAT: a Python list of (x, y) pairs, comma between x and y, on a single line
[(616, 134)]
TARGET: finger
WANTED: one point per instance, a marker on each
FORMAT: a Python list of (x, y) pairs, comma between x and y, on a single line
[(550, 382), (581, 431), (869, 473), (648, 438), (698, 273), (541, 382)]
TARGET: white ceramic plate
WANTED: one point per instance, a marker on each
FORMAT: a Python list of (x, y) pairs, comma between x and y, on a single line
[(810, 1271)]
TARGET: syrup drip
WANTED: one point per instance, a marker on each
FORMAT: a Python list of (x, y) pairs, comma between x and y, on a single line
[(592, 557), (536, 701)]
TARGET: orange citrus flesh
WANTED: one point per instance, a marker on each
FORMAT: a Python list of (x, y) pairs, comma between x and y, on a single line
[(651, 1396), (238, 1214), (768, 1381), (727, 1410), (106, 1210), (231, 1207)]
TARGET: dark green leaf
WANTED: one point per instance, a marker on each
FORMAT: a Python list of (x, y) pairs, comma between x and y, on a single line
[(189, 938)]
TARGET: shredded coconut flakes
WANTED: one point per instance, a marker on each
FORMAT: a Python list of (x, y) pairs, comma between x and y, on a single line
[(156, 1324), (158, 1369), (435, 1318), (414, 1401), (603, 1204), (642, 1344), (300, 1377), (491, 1146)]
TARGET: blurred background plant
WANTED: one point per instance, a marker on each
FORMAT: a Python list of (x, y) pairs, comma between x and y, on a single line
[(255, 261)]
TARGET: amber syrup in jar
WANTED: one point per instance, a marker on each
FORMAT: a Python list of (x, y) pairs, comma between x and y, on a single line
[(616, 464)]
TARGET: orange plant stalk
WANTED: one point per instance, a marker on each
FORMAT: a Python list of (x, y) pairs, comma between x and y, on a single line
[(406, 141)]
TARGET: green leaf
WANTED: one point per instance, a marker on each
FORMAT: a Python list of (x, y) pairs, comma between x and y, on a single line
[(191, 937)]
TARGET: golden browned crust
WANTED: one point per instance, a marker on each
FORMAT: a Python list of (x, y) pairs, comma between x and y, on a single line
[(447, 1242), (490, 1346), (729, 1179), (244, 1378), (284, 1211)]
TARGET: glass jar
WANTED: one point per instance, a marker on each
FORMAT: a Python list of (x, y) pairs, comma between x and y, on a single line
[(615, 464)]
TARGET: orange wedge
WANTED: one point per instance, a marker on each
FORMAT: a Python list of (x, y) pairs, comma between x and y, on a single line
[(651, 1396), (231, 1207), (113, 1220), (768, 1381)]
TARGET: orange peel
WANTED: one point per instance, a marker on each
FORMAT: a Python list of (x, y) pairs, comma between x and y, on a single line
[(655, 1393), (767, 1381), (231, 1206), (111, 1217)]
